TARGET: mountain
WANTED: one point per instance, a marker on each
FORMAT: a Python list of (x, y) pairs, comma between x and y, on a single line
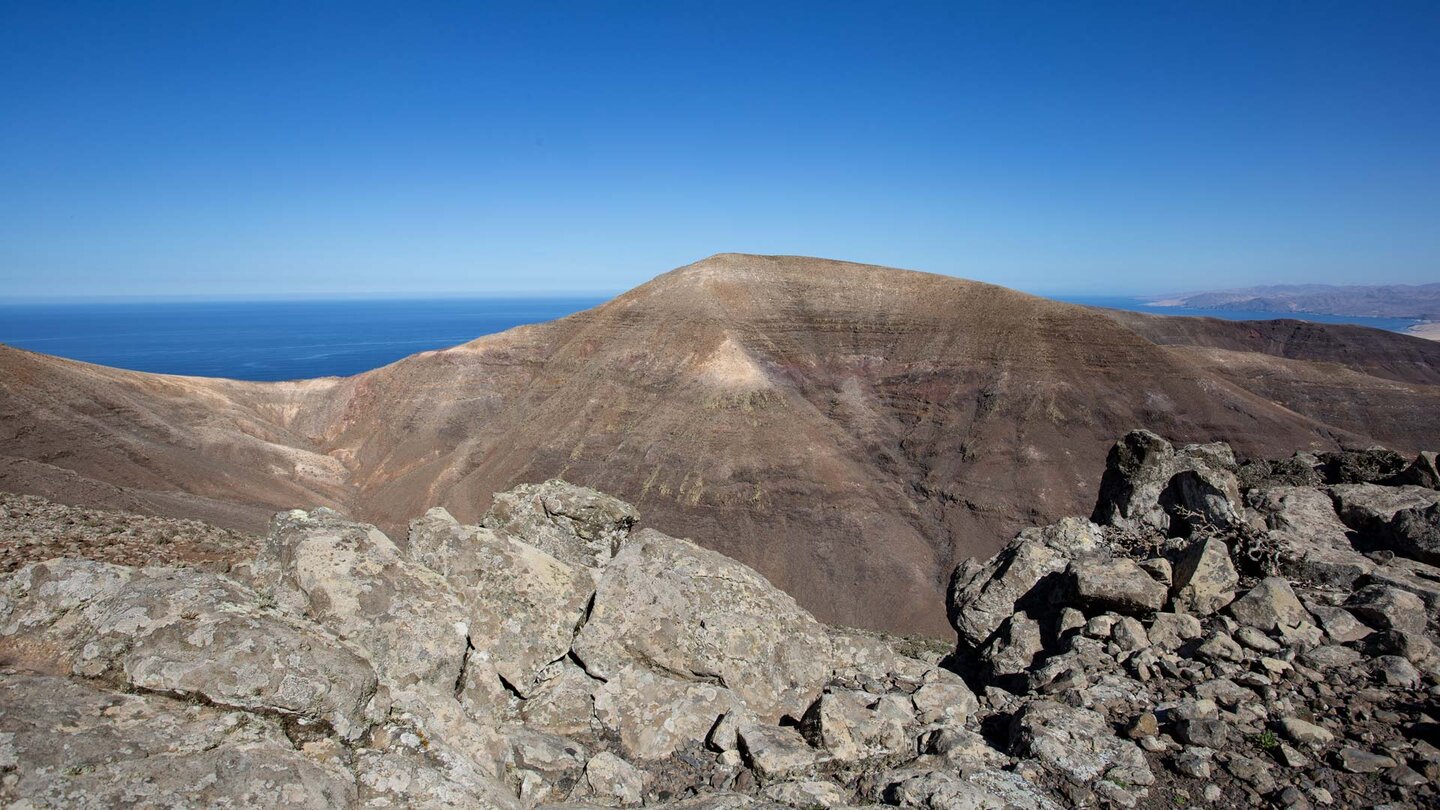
[(851, 431), (1419, 301)]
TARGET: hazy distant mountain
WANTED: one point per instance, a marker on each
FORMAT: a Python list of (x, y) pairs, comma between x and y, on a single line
[(851, 431), (1419, 301)]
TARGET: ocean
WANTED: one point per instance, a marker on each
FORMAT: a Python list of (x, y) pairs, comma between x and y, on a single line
[(266, 340), (287, 340)]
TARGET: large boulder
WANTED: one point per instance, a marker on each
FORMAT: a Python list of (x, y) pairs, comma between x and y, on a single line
[(1369, 508), (697, 615), (1313, 544), (1026, 574), (654, 716), (1205, 579), (1149, 485), (1119, 585), (349, 578), (67, 744), (521, 604), (1422, 472), (854, 726), (181, 631), (1415, 533), (1077, 744), (574, 524), (1268, 605)]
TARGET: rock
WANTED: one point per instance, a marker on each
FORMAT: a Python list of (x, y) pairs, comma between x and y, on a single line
[(1014, 648), (1120, 585), (963, 749), (349, 578), (1129, 634), (612, 779), (1361, 466), (1159, 570), (1415, 533), (778, 753), (1252, 772), (1077, 744), (842, 722), (1210, 732), (1313, 543), (654, 716), (1387, 608), (180, 631), (563, 703), (983, 595), (1205, 578), (1220, 647), (522, 605), (1369, 508), (1169, 630), (1194, 762), (1394, 670), (949, 701), (1422, 472), (1355, 760), (1269, 604), (573, 524), (699, 614), (1305, 733), (1332, 657), (544, 766), (66, 744), (807, 794), (1149, 485), (1256, 640), (1340, 625)]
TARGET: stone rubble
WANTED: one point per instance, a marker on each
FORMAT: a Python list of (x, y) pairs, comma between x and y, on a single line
[(1256, 634)]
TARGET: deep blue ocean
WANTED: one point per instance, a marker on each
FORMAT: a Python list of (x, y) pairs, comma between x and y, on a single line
[(286, 340), (1139, 305), (266, 340)]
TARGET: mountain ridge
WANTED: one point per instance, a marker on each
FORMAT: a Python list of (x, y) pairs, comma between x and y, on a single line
[(843, 428)]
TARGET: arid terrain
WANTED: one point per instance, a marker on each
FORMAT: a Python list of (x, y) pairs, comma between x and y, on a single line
[(850, 431)]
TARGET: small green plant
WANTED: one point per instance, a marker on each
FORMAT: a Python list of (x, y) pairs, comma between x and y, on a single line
[(1267, 740)]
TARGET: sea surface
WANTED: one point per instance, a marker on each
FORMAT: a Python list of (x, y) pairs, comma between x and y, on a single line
[(1139, 305), (287, 340), (266, 340)]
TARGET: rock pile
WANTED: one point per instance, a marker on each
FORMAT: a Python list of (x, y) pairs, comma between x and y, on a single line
[(1222, 632)]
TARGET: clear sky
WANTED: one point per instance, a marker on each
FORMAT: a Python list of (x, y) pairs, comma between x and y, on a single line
[(343, 148)]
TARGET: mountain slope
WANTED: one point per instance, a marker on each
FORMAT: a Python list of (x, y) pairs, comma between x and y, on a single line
[(849, 430)]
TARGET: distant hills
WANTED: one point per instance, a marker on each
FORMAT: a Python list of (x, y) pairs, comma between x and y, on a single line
[(1418, 301), (851, 431)]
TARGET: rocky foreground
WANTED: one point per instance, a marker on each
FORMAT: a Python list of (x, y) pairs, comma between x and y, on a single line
[(1220, 634)]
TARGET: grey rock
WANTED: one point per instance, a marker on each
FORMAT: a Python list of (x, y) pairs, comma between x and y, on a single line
[(1415, 533), (571, 523), (1369, 508), (1422, 472), (1387, 608), (1119, 584), (1205, 578), (843, 722), (66, 744), (181, 631), (1077, 744), (699, 615), (778, 753), (1014, 648), (613, 780), (1269, 604), (1313, 542), (807, 794), (1356, 760), (984, 594), (1168, 631), (654, 716), (1305, 732), (1150, 485)]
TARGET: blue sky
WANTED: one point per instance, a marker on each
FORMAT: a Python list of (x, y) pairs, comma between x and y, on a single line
[(247, 148)]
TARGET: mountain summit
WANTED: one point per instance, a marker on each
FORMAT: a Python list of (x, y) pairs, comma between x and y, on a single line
[(851, 431)]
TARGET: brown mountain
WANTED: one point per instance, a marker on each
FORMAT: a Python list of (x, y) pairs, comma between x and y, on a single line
[(849, 430)]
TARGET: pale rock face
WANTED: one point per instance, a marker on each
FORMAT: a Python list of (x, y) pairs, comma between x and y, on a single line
[(182, 631), (574, 524), (778, 753), (522, 605), (66, 744), (847, 724), (1150, 485), (613, 780), (564, 702), (1205, 578), (655, 716), (697, 615), (1120, 585), (1078, 744), (983, 594), (352, 580), (1314, 543), (1269, 604)]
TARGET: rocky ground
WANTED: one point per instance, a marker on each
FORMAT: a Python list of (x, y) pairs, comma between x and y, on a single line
[(34, 529), (1218, 634)]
